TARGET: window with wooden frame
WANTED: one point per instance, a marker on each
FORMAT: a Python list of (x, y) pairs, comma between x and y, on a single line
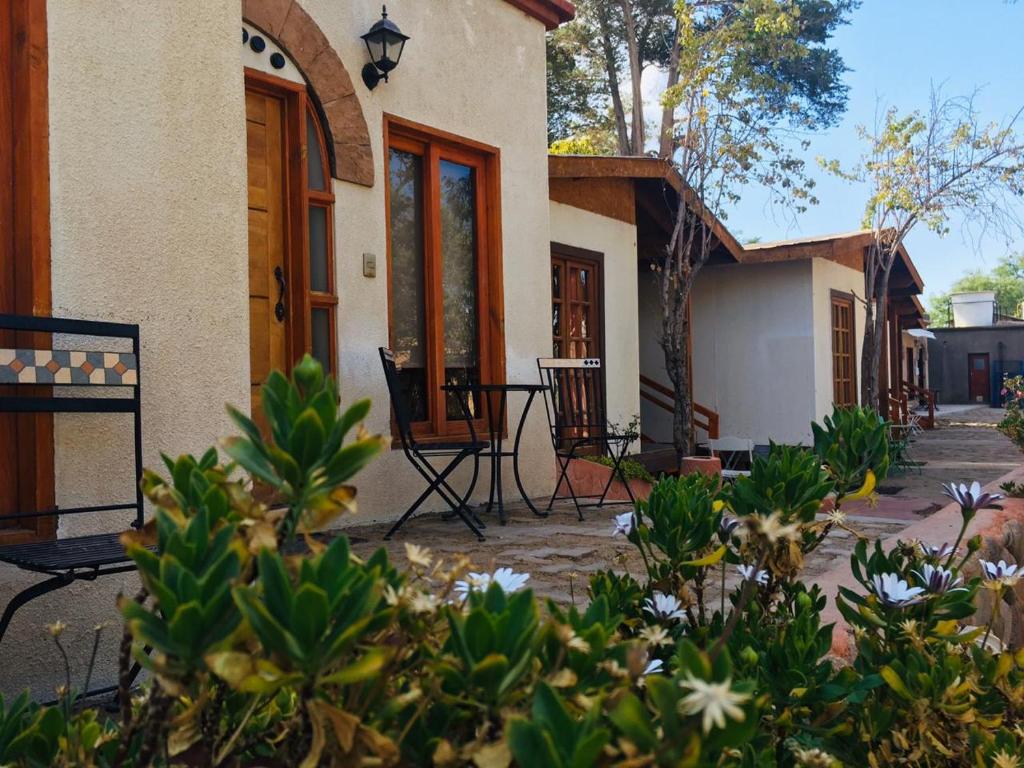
[(26, 439), (444, 269), (844, 351), (577, 306), (318, 199)]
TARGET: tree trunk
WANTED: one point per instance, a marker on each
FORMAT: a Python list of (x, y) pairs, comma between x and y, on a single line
[(876, 296), (636, 141), (677, 366), (612, 73), (674, 294), (667, 138)]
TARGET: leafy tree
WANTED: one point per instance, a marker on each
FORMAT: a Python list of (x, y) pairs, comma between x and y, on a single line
[(921, 169), (1006, 279), (595, 66), (739, 117)]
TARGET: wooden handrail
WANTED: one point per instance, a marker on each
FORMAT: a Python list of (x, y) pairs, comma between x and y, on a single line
[(710, 423)]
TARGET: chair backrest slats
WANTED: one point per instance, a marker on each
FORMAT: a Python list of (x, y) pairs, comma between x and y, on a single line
[(574, 398)]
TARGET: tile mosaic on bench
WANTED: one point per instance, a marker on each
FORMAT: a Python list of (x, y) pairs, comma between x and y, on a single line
[(64, 366)]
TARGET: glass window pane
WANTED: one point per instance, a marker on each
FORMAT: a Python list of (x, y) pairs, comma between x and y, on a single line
[(321, 327), (314, 159), (407, 278), (318, 249), (459, 277)]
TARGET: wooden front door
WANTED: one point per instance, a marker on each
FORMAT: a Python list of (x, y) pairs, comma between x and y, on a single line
[(978, 377), (576, 306), (844, 354), (268, 263)]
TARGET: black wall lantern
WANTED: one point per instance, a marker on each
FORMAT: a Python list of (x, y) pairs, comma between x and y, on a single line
[(385, 42)]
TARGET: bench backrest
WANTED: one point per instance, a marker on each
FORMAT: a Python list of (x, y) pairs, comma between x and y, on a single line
[(32, 375)]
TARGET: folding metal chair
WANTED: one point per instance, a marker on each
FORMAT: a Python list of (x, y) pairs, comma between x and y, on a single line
[(574, 401), (735, 450), (421, 454)]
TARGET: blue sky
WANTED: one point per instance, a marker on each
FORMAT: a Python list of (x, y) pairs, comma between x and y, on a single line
[(895, 49)]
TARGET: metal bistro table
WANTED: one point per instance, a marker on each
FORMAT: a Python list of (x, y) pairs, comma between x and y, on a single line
[(491, 394)]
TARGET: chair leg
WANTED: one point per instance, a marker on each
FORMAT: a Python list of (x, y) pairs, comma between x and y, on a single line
[(617, 471), (438, 482), (31, 593), (568, 484), (408, 513)]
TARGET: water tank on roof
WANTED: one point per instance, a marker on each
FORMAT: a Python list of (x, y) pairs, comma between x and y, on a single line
[(973, 309)]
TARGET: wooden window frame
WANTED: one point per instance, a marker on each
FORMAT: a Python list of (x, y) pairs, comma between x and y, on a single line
[(837, 297), (433, 145), (299, 107), (561, 250), (25, 198)]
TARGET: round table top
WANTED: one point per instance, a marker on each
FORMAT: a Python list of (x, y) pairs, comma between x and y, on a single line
[(494, 387)]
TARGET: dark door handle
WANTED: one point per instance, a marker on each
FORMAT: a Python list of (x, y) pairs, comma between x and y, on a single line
[(282, 287)]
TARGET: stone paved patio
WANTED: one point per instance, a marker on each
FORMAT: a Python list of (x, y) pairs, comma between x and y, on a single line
[(560, 552)]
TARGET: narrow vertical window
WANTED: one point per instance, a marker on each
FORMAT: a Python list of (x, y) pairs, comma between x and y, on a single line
[(322, 297)]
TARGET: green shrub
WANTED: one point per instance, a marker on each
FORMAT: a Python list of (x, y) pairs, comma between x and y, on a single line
[(632, 469), (265, 653), (1012, 425)]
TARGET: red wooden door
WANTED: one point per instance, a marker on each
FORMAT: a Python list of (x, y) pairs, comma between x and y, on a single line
[(978, 377)]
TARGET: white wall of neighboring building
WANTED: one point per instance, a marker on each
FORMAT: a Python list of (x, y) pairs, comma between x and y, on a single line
[(754, 349), (616, 240), (149, 225), (830, 276)]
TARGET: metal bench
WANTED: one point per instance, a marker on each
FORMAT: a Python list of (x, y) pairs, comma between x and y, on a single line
[(50, 373)]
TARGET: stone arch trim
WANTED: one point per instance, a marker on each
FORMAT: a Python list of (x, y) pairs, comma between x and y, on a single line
[(288, 23)]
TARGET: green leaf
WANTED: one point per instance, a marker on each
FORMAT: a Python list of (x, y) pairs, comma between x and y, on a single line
[(365, 667), (531, 746), (307, 440), (251, 460)]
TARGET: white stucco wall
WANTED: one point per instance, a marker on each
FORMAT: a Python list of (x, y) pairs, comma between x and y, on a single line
[(754, 349), (830, 276), (616, 240), (149, 225)]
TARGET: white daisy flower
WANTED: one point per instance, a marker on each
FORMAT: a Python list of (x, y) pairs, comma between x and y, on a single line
[(417, 555), (894, 591), (715, 701), (1008, 573), (937, 551), (655, 635), (970, 497), (664, 607), (654, 667), (937, 579), (504, 577), (748, 574), (423, 602)]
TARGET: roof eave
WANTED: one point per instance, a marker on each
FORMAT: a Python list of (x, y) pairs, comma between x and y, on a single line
[(551, 12)]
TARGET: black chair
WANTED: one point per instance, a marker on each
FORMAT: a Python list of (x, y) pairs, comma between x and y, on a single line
[(575, 405), (81, 558), (421, 454)]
